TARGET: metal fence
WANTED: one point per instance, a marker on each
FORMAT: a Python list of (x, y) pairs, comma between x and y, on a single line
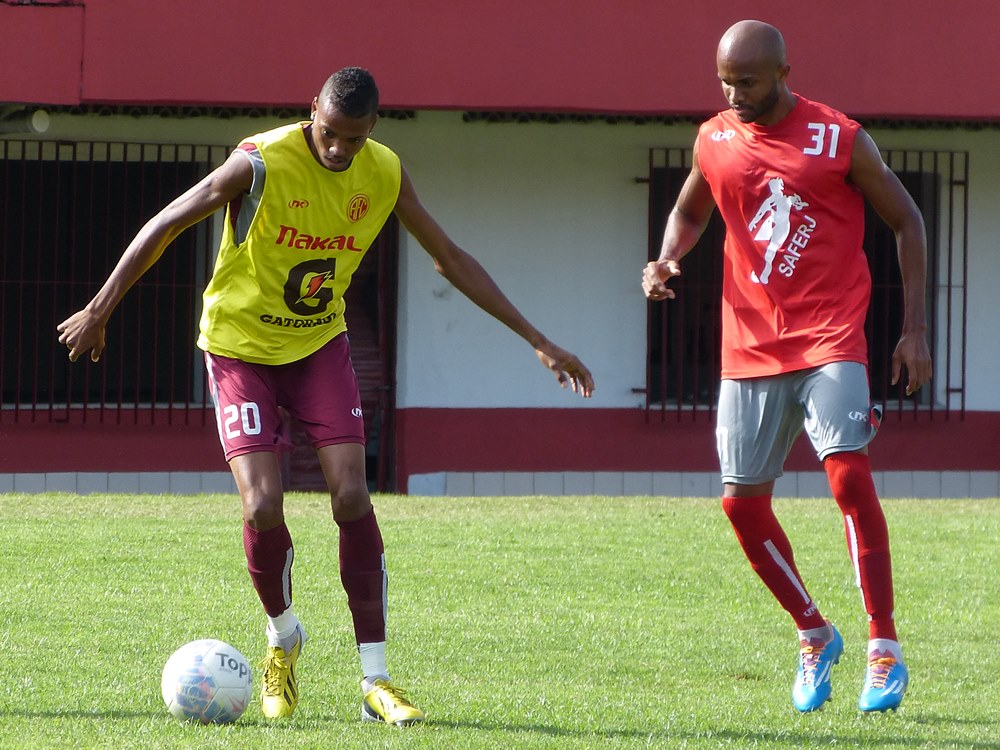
[(67, 212)]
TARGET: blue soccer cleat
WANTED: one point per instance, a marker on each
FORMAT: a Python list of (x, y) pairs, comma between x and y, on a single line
[(812, 683), (885, 683)]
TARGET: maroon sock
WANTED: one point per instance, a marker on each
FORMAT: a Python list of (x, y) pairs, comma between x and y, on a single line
[(269, 560), (770, 555), (850, 477), (362, 571)]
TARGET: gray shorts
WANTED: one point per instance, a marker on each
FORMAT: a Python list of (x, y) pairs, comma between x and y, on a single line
[(760, 418)]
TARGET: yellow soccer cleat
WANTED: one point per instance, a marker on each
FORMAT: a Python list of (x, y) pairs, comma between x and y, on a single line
[(385, 702), (279, 694)]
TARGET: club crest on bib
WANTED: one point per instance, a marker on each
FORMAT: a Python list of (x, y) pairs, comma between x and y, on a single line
[(358, 207)]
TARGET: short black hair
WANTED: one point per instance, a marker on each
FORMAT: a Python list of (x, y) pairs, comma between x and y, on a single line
[(352, 91)]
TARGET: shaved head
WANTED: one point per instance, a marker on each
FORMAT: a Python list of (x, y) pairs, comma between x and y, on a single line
[(748, 42), (753, 71)]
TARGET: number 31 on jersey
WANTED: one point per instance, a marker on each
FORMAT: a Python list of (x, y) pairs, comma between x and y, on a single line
[(824, 139)]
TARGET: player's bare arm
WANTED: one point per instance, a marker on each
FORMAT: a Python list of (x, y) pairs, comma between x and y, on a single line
[(889, 198), (685, 224), (84, 330), (470, 278)]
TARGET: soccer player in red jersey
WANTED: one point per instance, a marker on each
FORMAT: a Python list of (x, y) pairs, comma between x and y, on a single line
[(303, 203), (789, 177)]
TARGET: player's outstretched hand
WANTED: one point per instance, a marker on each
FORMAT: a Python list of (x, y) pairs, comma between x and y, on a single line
[(655, 276), (568, 369), (82, 332)]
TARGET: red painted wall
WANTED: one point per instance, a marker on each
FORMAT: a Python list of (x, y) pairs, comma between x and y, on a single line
[(532, 440), (919, 59), (41, 53), (89, 444)]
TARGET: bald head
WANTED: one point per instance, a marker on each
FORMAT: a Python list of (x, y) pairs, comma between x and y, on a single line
[(752, 68), (752, 42)]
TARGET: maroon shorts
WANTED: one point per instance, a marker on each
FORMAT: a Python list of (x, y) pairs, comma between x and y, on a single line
[(320, 391)]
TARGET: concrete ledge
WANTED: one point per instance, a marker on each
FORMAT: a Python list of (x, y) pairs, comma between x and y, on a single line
[(890, 484), (129, 483)]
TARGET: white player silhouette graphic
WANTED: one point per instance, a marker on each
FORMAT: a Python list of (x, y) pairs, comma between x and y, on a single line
[(775, 212)]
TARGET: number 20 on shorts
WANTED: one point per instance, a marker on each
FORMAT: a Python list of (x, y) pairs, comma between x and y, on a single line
[(241, 420)]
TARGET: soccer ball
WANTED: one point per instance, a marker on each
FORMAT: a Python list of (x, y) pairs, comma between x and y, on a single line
[(207, 681)]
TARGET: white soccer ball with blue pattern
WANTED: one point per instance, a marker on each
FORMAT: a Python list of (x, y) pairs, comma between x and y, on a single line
[(207, 681)]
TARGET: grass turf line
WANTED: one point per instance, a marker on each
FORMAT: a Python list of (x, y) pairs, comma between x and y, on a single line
[(580, 622)]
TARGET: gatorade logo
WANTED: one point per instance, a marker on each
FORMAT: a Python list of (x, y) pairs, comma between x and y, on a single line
[(309, 286)]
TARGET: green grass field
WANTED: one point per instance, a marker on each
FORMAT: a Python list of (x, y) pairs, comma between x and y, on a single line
[(584, 622)]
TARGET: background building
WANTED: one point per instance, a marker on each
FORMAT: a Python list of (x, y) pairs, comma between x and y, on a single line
[(548, 139)]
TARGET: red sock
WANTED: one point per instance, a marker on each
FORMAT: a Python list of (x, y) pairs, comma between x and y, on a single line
[(850, 477), (362, 571), (269, 560), (770, 555)]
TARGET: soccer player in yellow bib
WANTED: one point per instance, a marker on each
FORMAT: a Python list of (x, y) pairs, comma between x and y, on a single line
[(303, 202)]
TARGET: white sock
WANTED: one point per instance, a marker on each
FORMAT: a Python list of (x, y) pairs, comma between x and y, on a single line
[(824, 633), (282, 629), (373, 660), (884, 644)]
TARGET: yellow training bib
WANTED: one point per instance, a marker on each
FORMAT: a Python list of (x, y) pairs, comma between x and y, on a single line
[(290, 247)]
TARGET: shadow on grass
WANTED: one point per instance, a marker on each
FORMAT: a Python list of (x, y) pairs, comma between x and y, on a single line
[(244, 721), (768, 739), (112, 714)]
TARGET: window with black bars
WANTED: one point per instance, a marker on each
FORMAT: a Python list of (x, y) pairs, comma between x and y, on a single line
[(684, 334), (67, 212)]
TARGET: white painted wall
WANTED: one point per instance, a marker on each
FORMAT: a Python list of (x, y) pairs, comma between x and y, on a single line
[(984, 270), (554, 214)]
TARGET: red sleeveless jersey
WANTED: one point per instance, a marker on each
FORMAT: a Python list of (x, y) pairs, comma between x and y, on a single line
[(796, 284)]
